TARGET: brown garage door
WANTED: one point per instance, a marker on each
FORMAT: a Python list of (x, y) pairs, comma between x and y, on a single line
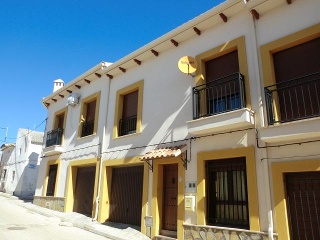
[(303, 203), (126, 195), (83, 196)]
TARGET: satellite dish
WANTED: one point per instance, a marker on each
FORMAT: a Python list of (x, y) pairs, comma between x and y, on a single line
[(187, 65)]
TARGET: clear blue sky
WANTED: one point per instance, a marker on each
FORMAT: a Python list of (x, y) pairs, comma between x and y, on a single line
[(43, 40)]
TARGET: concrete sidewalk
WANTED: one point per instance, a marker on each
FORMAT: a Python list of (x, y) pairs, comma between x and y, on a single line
[(81, 221)]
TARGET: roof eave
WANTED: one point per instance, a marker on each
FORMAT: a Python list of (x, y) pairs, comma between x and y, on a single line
[(91, 71)]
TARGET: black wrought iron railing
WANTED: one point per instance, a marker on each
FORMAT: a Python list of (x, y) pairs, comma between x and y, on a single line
[(87, 128), (127, 125), (54, 137), (293, 100), (218, 96)]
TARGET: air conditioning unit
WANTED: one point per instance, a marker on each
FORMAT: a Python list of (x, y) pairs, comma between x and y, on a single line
[(73, 99)]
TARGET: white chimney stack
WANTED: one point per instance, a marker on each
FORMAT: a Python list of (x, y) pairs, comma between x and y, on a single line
[(57, 84)]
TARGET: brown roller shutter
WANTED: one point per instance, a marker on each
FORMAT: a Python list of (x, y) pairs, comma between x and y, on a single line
[(222, 91), (91, 109), (130, 104), (297, 61), (222, 66), (61, 121)]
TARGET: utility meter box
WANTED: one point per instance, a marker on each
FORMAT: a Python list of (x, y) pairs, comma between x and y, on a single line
[(148, 221), (190, 203), (191, 187)]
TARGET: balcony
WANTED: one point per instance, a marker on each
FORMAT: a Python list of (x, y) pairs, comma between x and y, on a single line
[(293, 110), (293, 100), (127, 125), (219, 105), (87, 128), (53, 142), (221, 95)]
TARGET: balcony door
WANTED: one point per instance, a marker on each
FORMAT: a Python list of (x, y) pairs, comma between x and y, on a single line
[(297, 71), (223, 90), (60, 121), (128, 122)]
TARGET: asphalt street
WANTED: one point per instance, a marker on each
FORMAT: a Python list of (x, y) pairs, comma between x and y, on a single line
[(17, 222)]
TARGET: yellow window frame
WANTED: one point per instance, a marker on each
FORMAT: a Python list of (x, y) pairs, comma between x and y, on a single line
[(119, 106), (235, 44), (267, 50), (249, 154), (83, 114)]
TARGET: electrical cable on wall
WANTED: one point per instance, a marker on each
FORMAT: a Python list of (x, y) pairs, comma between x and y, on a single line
[(30, 131), (156, 144), (188, 139)]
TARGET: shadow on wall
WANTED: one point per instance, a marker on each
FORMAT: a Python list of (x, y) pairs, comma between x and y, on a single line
[(169, 118), (27, 182)]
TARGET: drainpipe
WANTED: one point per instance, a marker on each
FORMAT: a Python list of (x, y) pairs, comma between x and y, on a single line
[(264, 150), (99, 184), (101, 144)]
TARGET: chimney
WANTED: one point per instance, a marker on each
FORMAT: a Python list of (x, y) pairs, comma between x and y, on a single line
[(57, 84)]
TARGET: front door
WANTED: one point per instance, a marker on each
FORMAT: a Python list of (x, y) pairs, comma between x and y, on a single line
[(170, 194)]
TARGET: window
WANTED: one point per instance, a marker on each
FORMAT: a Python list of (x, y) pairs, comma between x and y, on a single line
[(223, 91), (227, 198), (55, 136), (52, 180), (291, 75), (25, 143), (222, 81), (88, 124), (128, 111), (4, 174), (59, 121), (89, 116), (228, 160), (128, 121), (13, 175)]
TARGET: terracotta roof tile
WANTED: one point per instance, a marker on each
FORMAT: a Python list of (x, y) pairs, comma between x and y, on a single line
[(164, 152)]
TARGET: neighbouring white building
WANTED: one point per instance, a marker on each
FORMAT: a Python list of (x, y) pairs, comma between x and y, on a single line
[(20, 164), (230, 151)]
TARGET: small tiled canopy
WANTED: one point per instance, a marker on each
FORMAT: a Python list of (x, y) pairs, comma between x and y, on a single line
[(164, 152)]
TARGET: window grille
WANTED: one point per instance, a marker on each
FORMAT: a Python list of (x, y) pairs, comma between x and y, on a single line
[(227, 197)]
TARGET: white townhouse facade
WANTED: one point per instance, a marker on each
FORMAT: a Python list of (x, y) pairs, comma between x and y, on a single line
[(229, 151), (20, 163)]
